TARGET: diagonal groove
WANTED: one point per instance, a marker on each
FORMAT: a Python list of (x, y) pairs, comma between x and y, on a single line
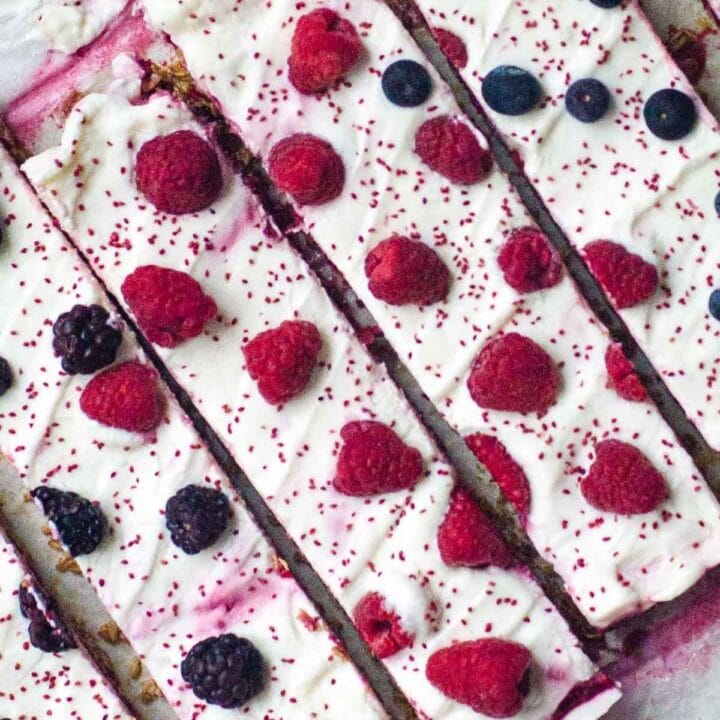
[(471, 473), (704, 456), (12, 513), (337, 620)]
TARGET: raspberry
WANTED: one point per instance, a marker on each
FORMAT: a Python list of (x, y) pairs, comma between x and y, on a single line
[(307, 168), (6, 376), (196, 517), (449, 147), (178, 173), (627, 278), (282, 360), (622, 480), (467, 536), (622, 376), (504, 470), (80, 523), (125, 396), (46, 631), (380, 627), (452, 46), (85, 340), (226, 670), (529, 262), (489, 675), (375, 460), (169, 305), (406, 272), (515, 374), (324, 48)]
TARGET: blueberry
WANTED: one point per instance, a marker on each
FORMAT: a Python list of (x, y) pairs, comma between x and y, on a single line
[(406, 83), (717, 204), (6, 376), (606, 4), (714, 304), (669, 114), (587, 100), (511, 90)]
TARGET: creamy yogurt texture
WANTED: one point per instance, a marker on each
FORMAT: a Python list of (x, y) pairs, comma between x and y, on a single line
[(290, 452), (613, 566), (164, 600), (38, 684), (36, 36)]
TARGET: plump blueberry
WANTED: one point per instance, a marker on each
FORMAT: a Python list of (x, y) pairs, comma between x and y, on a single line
[(607, 4), (669, 114), (511, 90), (714, 304), (6, 376), (406, 83), (717, 204), (587, 100)]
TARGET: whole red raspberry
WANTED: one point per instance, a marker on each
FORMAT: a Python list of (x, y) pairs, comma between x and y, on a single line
[(467, 536), (380, 627), (178, 173), (622, 480), (282, 360), (529, 262), (450, 148), (307, 168), (626, 277), (375, 460), (125, 396), (622, 376), (515, 374), (452, 46), (489, 675), (406, 272), (504, 470), (324, 48), (169, 305)]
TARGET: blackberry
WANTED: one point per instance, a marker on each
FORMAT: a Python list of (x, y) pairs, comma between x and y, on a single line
[(80, 523), (406, 83), (85, 340), (45, 630), (226, 670), (196, 517), (6, 376), (670, 114)]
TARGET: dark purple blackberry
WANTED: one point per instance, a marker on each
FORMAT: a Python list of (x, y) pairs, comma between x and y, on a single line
[(45, 630), (6, 376), (80, 523), (226, 670), (196, 517), (85, 340)]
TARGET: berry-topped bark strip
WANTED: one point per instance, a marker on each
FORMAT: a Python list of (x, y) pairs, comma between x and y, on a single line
[(318, 427), (44, 673), (133, 496), (622, 151), (437, 245)]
